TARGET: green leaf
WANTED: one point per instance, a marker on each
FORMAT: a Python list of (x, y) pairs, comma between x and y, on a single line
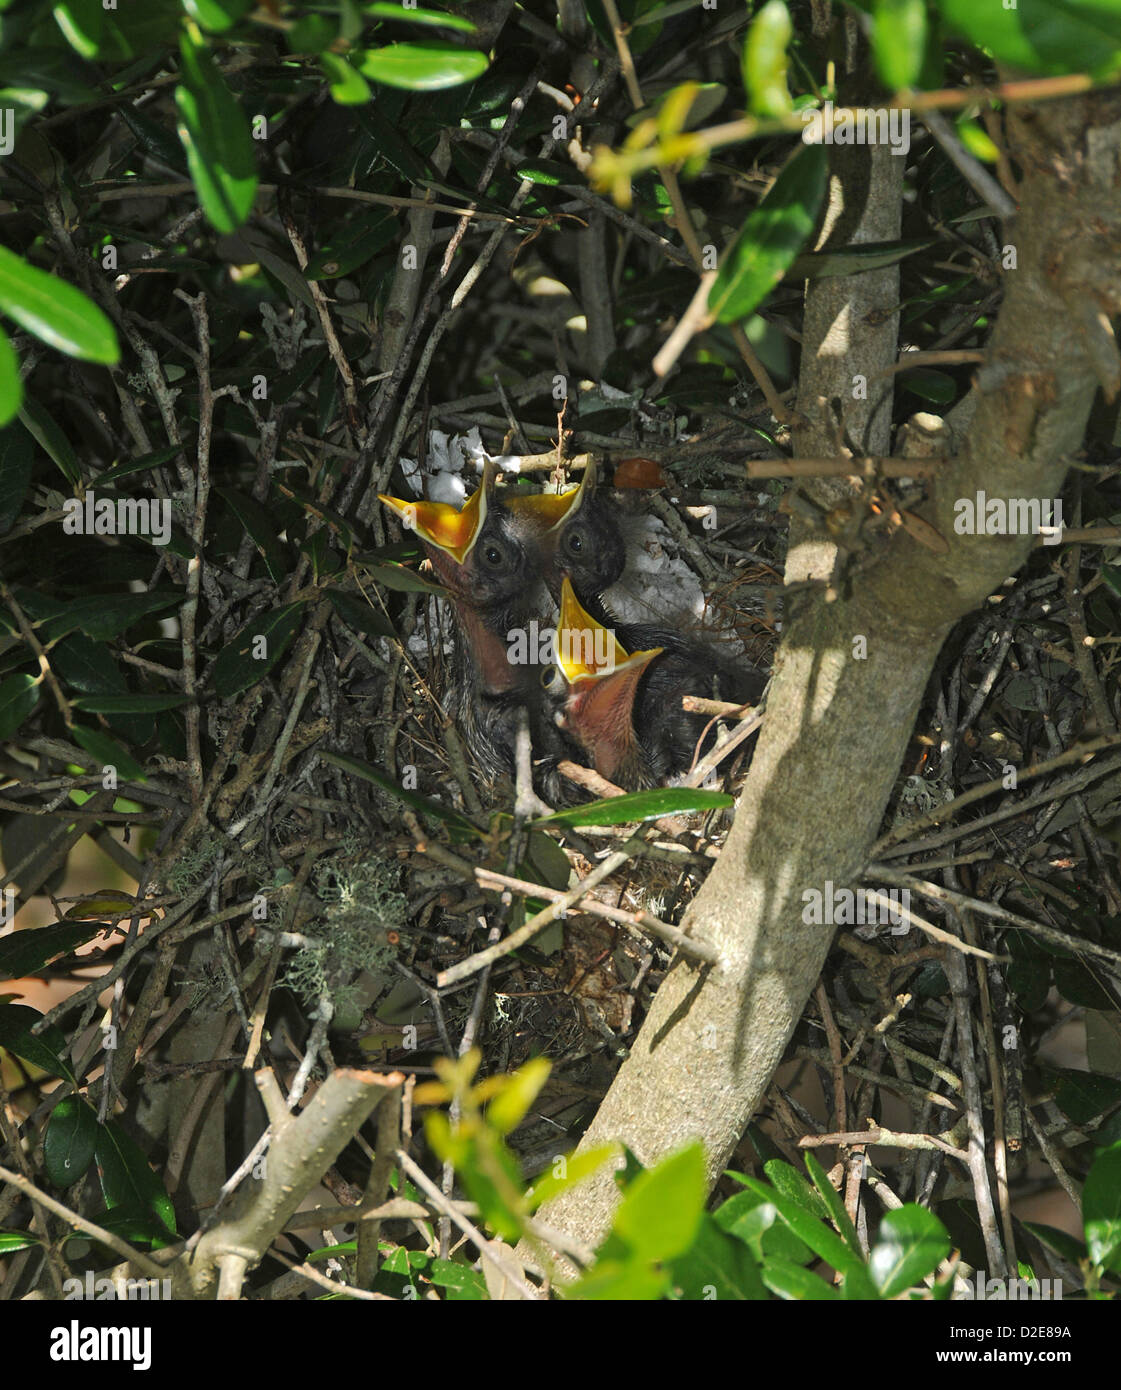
[(50, 438), (17, 454), (410, 798), (130, 704), (11, 1241), (717, 1264), (138, 465), (460, 1282), (929, 385), (108, 752), (771, 237), (348, 86), (237, 668), (354, 246), (793, 1185), (832, 1199), (792, 1282), (1084, 1095), (1101, 1209), (550, 172), (215, 134), (899, 41), (424, 67), (360, 615), (46, 1050), (765, 60), (911, 1244), (820, 1239), (25, 952), (510, 1106), (55, 311), (382, 9), (19, 696), (11, 385), (68, 1145), (397, 577), (852, 260), (217, 15), (662, 1209), (106, 616), (1043, 36), (126, 1179), (1061, 1243), (640, 806), (576, 1167), (260, 526), (618, 1281)]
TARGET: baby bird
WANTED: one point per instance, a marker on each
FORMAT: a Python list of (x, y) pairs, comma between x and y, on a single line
[(625, 687), (579, 534), (489, 561)]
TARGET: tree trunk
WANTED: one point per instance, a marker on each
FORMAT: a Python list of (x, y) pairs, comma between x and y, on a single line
[(851, 672)]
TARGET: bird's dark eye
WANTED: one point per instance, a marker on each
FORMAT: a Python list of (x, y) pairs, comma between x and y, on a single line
[(574, 542), (493, 556), (549, 677)]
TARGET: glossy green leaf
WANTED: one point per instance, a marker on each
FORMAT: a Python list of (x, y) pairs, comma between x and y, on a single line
[(137, 465), (360, 615), (82, 23), (355, 246), (717, 1265), (217, 15), (911, 1244), (50, 438), (576, 1168), (621, 1281), (397, 577), (55, 311), (19, 696), (107, 615), (17, 454), (1084, 1095), (347, 85), (765, 60), (798, 1285), (126, 1179), (69, 1142), (899, 41), (423, 67), (549, 172), (852, 260), (130, 704), (215, 134), (662, 1209), (640, 806), (238, 666), (793, 1185), (509, 1108), (832, 1199), (412, 14), (419, 803), (46, 1050), (1101, 1209), (24, 952), (107, 752), (821, 1240), (771, 237), (11, 386), (11, 1241), (1043, 36), (260, 526)]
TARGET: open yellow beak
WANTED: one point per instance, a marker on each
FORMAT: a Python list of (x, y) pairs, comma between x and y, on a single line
[(438, 523), (549, 509), (585, 649)]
